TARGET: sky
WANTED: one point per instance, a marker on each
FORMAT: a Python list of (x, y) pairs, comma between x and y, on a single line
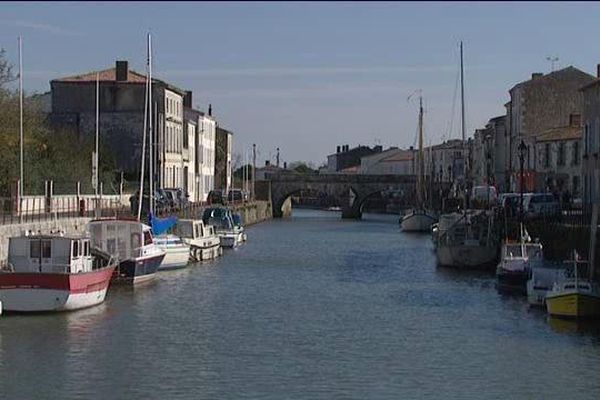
[(306, 77)]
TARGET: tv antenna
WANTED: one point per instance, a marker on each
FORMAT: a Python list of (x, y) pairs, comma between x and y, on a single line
[(553, 60)]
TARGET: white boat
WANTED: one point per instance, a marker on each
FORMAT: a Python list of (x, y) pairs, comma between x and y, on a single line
[(132, 243), (516, 263), (222, 219), (543, 278), (177, 252), (54, 273), (204, 243), (419, 219)]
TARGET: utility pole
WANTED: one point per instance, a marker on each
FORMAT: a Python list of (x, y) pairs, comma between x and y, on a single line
[(278, 157), (253, 171)]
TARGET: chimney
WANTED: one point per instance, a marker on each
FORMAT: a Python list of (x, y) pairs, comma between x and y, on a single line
[(121, 69), (285, 165), (338, 149), (187, 99), (378, 148), (536, 75), (267, 163), (210, 110)]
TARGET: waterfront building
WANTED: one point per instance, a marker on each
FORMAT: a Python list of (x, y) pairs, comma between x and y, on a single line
[(538, 105), (591, 140), (490, 154), (346, 158), (393, 161), (223, 162), (206, 160), (121, 118), (558, 159), (447, 159)]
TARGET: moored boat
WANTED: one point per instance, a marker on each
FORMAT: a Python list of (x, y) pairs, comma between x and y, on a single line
[(177, 252), (517, 260), (221, 218), (132, 243), (543, 277), (54, 273), (204, 243), (418, 220)]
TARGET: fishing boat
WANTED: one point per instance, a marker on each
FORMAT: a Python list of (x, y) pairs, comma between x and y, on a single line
[(517, 261), (419, 219), (131, 242), (543, 277), (575, 297), (204, 242), (54, 273), (222, 219)]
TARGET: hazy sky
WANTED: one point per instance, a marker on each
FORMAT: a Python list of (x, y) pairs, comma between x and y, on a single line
[(308, 76)]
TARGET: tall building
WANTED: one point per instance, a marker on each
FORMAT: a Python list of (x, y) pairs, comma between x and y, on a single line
[(223, 161)]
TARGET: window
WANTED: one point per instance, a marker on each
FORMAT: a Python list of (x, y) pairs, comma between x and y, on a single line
[(86, 248), (595, 137), (547, 155), (575, 186), (147, 238), (586, 138), (561, 154), (46, 249), (34, 249), (575, 153), (75, 248)]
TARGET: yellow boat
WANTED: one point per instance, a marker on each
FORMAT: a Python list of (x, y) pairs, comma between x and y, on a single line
[(574, 297)]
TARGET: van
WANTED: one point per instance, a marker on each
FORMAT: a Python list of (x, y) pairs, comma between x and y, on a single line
[(540, 204)]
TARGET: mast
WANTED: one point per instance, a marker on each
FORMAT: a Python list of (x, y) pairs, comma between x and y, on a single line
[(143, 156), (462, 111), (21, 120), (96, 155), (421, 176), (150, 131)]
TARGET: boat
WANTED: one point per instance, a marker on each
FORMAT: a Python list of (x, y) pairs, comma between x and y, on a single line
[(419, 219), (177, 252), (132, 243), (204, 242), (517, 258), (222, 219), (574, 297), (543, 277), (238, 225), (54, 272)]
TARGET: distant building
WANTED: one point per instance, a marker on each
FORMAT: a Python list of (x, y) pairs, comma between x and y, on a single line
[(491, 155), (447, 160), (345, 157), (223, 162), (539, 104), (206, 164), (269, 169), (393, 161)]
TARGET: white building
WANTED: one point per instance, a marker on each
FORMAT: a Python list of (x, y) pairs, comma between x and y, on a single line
[(393, 161), (172, 171), (447, 160), (206, 164)]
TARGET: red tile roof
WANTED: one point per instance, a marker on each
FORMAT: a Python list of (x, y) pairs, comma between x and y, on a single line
[(105, 75)]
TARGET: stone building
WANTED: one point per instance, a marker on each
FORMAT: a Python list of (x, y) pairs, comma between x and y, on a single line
[(447, 160), (223, 161), (490, 154), (591, 140), (348, 159), (538, 105), (122, 98), (207, 155), (558, 159)]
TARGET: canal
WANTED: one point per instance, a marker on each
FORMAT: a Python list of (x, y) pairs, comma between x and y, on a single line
[(311, 307)]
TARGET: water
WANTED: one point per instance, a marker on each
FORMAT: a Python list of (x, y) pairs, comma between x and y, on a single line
[(310, 308)]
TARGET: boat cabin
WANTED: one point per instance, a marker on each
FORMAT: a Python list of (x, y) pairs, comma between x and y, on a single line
[(120, 238), (50, 254), (193, 229)]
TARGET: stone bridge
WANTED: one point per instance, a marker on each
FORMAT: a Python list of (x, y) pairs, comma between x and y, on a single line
[(351, 191)]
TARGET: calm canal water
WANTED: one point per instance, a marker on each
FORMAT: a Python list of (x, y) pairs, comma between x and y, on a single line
[(310, 308)]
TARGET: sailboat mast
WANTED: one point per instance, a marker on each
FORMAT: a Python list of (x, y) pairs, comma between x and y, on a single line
[(150, 132), (462, 111), (96, 155), (421, 158), (21, 117), (143, 155)]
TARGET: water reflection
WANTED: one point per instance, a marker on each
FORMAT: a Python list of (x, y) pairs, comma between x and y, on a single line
[(572, 326)]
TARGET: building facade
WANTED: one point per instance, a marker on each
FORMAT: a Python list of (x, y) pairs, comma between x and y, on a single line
[(206, 161), (393, 161), (447, 160), (349, 159), (591, 141), (223, 158), (490, 154)]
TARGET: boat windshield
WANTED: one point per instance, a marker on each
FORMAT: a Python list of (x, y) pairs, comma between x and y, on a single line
[(514, 250)]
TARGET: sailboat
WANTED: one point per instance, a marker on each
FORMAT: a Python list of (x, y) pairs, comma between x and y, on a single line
[(419, 219), (467, 238), (577, 297)]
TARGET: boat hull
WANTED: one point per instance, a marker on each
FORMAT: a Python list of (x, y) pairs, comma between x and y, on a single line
[(512, 281), (417, 222), (203, 253), (573, 305), (175, 258), (31, 292), (231, 240), (463, 256), (139, 270)]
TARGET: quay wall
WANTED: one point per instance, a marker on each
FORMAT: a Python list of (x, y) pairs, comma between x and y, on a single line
[(69, 225), (255, 212)]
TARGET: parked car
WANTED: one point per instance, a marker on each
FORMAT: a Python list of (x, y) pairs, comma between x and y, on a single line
[(177, 198), (237, 195), (540, 204), (215, 197), (481, 195), (161, 203)]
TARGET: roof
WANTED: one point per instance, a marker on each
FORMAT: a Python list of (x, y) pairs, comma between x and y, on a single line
[(402, 155), (449, 144), (553, 74), (560, 133), (109, 75), (351, 170)]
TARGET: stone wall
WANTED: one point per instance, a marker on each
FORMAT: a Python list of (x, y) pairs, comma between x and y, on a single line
[(69, 226), (255, 212)]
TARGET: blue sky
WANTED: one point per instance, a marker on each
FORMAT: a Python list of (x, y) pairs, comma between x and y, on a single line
[(308, 76)]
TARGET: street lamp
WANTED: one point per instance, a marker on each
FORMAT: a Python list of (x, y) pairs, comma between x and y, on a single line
[(488, 140), (522, 152)]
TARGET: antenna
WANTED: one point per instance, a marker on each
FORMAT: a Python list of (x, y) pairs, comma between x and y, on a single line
[(553, 60)]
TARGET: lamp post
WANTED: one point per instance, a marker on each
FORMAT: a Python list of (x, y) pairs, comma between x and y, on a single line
[(488, 159), (522, 150)]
